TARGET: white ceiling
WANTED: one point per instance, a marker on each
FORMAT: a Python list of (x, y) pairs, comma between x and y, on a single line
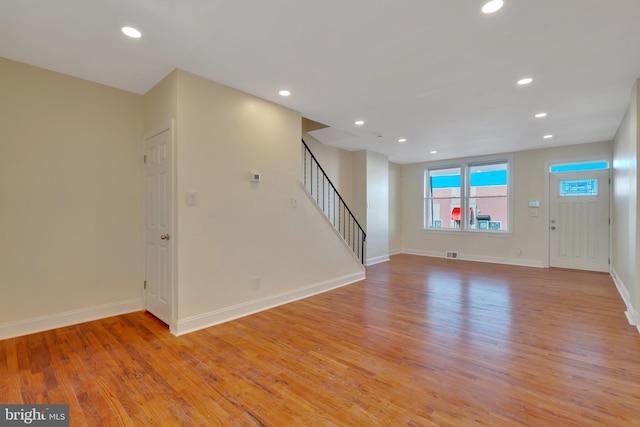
[(439, 73)]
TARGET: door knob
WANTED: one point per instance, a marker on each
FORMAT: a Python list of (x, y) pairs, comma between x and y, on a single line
[(553, 227), (165, 237)]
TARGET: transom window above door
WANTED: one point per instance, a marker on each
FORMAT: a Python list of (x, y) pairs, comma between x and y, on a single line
[(581, 166)]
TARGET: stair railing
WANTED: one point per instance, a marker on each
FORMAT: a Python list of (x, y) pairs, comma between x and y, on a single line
[(331, 203)]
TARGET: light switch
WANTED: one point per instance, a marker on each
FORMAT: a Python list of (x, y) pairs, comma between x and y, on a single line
[(192, 198)]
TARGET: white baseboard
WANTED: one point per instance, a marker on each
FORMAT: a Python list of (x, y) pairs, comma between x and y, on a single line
[(377, 260), (394, 251), (67, 318), (226, 314), (522, 262), (633, 317)]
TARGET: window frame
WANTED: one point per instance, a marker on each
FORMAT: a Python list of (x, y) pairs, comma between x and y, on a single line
[(465, 166)]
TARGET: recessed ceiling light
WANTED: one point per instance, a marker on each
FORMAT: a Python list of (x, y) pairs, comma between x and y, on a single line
[(525, 81), (433, 152), (359, 122), (540, 115), (284, 92), (402, 140), (548, 136), (492, 6), (131, 32)]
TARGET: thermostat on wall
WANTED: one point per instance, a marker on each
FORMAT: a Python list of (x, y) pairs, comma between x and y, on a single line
[(255, 177)]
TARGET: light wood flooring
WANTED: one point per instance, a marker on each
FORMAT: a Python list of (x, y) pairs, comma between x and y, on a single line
[(420, 342)]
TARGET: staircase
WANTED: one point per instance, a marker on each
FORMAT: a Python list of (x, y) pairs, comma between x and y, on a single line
[(322, 190)]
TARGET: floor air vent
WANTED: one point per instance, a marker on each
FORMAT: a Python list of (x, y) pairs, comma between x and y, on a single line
[(452, 254)]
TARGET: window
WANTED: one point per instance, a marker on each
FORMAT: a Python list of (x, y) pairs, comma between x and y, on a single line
[(444, 198), (576, 167), (579, 187), (470, 196)]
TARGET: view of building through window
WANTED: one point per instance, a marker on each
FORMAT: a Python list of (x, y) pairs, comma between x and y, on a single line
[(444, 198), (471, 196)]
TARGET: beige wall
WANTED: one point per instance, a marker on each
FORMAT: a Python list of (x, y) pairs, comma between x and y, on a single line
[(161, 104), (241, 230), (527, 244), (625, 257), (377, 205), (370, 186), (70, 196), (359, 188), (71, 235), (395, 203), (337, 164)]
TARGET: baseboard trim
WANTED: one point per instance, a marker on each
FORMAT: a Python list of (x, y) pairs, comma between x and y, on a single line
[(68, 318), (377, 260), (522, 262), (194, 323), (631, 314)]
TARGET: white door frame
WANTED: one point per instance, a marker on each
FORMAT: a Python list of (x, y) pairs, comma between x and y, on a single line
[(547, 208), (169, 125)]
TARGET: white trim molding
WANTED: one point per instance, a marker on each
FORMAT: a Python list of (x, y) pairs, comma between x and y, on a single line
[(633, 317), (522, 262), (205, 320), (377, 260), (68, 318)]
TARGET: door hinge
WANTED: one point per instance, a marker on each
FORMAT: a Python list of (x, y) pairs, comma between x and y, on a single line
[(145, 158), (145, 284), (609, 261), (609, 221)]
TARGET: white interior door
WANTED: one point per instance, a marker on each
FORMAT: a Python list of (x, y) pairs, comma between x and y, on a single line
[(158, 223), (579, 220)]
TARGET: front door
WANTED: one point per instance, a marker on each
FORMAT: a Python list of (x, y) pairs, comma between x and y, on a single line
[(579, 220), (158, 223)]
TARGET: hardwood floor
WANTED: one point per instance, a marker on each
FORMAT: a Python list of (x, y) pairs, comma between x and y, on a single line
[(420, 342)]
